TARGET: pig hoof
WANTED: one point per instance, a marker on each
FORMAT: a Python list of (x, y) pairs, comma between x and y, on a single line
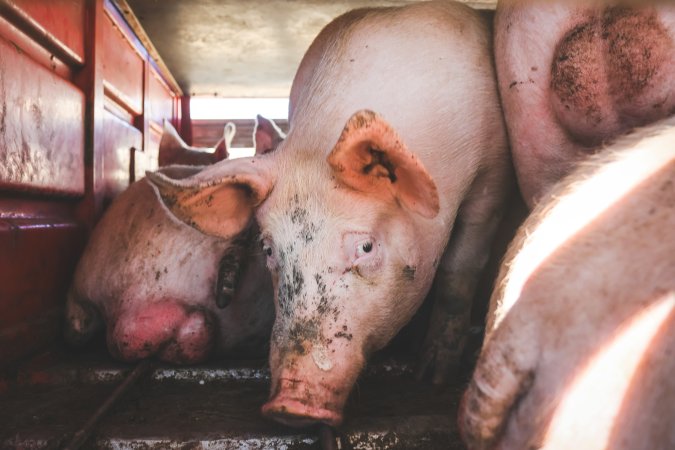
[(82, 322)]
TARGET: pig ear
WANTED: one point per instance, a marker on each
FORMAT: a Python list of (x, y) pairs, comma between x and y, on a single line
[(170, 145), (223, 147), (267, 135), (220, 200), (371, 157)]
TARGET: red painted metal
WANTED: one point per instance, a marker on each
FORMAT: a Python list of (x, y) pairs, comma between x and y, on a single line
[(41, 118), (77, 125), (118, 140), (122, 67), (36, 263), (160, 98), (56, 25), (185, 121)]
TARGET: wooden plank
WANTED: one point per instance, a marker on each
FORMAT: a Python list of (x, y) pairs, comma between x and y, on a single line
[(41, 127), (122, 67)]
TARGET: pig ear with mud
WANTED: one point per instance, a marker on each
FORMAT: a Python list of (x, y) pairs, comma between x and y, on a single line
[(370, 157), (218, 201), (267, 135)]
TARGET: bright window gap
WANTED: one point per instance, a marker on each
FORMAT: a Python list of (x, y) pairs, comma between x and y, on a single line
[(219, 108)]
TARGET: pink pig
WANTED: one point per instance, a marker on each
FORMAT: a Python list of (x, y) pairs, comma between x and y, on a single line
[(156, 284), (581, 328), (389, 184), (574, 75)]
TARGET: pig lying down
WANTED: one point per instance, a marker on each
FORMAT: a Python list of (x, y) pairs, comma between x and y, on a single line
[(155, 283), (573, 75), (582, 324), (395, 167)]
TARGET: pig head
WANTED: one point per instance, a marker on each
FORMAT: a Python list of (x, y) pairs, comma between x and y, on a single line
[(348, 267)]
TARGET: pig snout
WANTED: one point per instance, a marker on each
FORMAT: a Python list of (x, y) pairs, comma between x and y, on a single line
[(300, 403), (166, 330), (308, 389)]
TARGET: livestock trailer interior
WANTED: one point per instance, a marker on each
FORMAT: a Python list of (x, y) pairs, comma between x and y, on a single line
[(85, 89)]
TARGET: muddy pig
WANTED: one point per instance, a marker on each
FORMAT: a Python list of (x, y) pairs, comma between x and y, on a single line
[(574, 75), (395, 165), (581, 327), (154, 282)]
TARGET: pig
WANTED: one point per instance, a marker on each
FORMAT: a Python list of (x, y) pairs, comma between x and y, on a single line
[(581, 327), (174, 150), (574, 75), (394, 169), (156, 283)]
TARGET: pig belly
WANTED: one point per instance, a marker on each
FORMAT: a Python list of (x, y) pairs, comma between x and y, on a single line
[(574, 77)]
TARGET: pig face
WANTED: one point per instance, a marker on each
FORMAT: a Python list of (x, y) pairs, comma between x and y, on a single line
[(342, 245)]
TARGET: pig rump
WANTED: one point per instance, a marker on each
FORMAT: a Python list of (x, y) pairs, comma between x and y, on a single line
[(582, 323)]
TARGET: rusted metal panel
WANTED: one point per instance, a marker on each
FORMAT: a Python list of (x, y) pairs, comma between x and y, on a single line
[(118, 140), (36, 264), (56, 24), (160, 98), (122, 67), (41, 127)]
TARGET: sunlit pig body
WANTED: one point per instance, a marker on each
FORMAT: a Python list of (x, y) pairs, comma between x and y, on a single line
[(395, 166), (574, 74), (581, 332), (154, 283)]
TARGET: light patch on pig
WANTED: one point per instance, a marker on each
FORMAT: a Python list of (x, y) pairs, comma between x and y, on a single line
[(320, 357), (592, 396), (586, 201)]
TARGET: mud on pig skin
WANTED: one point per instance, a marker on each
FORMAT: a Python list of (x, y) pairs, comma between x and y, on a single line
[(574, 75), (154, 283), (581, 327), (395, 165)]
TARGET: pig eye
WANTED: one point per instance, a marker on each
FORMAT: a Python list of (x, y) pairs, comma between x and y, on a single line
[(364, 248)]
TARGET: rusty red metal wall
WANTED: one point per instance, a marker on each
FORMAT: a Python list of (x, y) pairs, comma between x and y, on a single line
[(81, 106)]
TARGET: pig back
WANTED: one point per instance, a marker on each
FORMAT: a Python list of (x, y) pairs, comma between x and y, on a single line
[(426, 68)]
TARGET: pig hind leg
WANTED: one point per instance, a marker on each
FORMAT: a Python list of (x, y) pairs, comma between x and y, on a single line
[(503, 376), (613, 72), (83, 320)]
